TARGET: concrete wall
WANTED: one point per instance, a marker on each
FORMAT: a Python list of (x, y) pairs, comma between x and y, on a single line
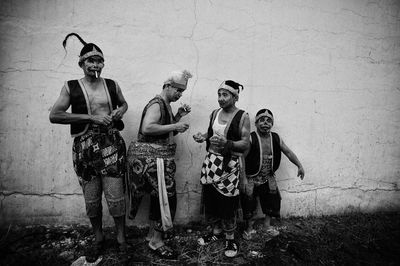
[(329, 70)]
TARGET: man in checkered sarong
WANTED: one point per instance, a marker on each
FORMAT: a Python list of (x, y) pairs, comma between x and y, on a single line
[(227, 139)]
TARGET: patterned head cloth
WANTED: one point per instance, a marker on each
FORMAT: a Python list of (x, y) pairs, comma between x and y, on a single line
[(264, 113), (178, 79), (231, 86), (88, 50)]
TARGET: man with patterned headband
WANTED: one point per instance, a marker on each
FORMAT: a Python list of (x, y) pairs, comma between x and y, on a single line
[(97, 106), (227, 138), (262, 161), (151, 161)]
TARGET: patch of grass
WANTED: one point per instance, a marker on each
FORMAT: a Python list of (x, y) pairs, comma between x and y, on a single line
[(370, 239)]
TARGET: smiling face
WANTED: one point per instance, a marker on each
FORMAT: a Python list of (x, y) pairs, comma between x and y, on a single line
[(226, 99), (91, 65), (264, 124)]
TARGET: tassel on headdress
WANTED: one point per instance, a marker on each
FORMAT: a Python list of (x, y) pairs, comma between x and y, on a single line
[(88, 50)]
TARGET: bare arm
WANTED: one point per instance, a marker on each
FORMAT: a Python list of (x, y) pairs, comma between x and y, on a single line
[(59, 114), (118, 113), (243, 144), (151, 126), (293, 158), (182, 111)]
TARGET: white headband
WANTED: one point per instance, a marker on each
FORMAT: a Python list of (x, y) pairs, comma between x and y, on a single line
[(265, 114), (91, 53), (228, 88)]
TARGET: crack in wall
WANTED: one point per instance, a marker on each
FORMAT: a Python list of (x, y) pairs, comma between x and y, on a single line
[(48, 194)]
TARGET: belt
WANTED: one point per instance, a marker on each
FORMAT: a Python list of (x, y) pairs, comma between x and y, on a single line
[(100, 129)]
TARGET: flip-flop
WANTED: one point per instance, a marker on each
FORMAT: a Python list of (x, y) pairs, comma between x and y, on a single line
[(164, 252), (249, 235)]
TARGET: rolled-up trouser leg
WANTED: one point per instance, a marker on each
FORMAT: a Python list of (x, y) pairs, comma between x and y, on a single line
[(114, 194), (92, 191)]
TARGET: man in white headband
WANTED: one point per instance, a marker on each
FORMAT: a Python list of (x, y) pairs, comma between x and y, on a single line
[(152, 164), (227, 138), (262, 161)]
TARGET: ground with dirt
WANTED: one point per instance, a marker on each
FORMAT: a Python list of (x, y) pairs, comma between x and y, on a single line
[(352, 239)]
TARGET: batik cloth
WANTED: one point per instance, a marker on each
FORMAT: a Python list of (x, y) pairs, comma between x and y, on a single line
[(266, 175), (226, 181), (143, 175), (99, 153)]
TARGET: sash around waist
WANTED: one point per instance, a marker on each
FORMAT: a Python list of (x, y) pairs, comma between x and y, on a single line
[(153, 150)]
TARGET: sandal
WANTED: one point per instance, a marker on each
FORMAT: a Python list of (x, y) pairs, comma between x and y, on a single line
[(249, 235), (164, 252)]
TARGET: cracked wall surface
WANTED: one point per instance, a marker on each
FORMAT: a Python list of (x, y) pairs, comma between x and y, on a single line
[(328, 70)]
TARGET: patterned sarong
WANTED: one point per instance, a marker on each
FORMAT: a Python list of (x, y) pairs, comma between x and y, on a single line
[(143, 175), (226, 181), (99, 153)]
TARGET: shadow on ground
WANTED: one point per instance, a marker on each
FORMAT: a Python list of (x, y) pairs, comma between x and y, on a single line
[(353, 239)]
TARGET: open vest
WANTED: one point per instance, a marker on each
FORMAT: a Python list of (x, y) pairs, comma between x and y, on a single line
[(234, 132), (80, 105), (254, 157), (165, 119)]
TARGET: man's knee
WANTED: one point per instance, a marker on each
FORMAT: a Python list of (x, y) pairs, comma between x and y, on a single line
[(94, 208)]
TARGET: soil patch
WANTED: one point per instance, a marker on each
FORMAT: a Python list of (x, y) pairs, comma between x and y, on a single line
[(351, 239)]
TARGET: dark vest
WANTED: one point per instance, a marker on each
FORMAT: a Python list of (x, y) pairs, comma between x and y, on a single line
[(165, 119), (79, 105), (254, 157)]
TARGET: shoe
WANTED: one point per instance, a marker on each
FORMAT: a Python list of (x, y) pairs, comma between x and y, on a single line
[(207, 239), (164, 252), (249, 235), (231, 248)]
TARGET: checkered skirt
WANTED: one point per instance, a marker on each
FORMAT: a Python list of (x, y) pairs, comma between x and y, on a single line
[(226, 181)]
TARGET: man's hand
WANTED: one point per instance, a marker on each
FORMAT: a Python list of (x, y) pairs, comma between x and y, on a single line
[(117, 114), (247, 188), (300, 172), (181, 127), (101, 119), (184, 110), (218, 140), (199, 137)]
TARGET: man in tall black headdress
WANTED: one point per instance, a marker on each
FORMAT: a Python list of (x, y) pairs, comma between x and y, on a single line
[(99, 151)]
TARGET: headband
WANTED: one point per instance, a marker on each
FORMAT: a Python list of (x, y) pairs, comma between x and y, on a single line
[(229, 88), (264, 114), (94, 52)]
